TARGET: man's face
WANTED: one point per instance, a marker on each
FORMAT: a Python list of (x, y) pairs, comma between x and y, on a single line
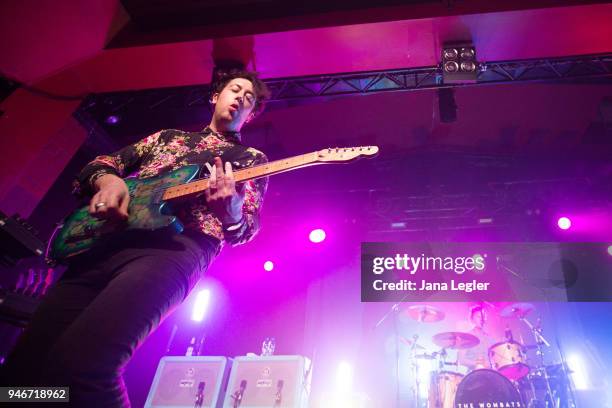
[(235, 103)]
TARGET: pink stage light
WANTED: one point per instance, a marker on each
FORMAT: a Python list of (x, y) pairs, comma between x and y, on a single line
[(268, 265), (564, 223), (317, 235), (201, 305)]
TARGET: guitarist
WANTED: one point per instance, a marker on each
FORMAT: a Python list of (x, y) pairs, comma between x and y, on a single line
[(110, 299)]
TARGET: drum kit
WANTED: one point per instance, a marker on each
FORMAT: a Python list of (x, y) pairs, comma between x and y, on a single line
[(506, 377)]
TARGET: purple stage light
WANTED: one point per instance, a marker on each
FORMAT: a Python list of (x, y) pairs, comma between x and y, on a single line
[(317, 235), (610, 250), (564, 223), (201, 305), (268, 265), (113, 119)]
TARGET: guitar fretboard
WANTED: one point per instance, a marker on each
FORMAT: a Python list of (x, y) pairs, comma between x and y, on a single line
[(262, 170)]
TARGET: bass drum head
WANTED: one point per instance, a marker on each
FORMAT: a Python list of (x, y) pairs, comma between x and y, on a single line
[(487, 388)]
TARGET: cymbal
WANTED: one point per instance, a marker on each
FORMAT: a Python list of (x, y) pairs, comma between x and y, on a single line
[(455, 340), (517, 310), (425, 313)]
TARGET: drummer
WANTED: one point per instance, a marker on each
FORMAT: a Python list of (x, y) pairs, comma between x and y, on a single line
[(476, 358)]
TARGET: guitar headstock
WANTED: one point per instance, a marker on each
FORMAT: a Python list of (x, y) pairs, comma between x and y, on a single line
[(344, 154)]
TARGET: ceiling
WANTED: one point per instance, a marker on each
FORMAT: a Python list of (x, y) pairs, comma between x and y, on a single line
[(75, 47)]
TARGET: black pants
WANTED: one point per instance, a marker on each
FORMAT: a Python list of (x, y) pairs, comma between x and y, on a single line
[(105, 304)]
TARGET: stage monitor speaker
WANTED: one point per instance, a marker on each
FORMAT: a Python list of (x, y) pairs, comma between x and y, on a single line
[(270, 381), (189, 382)]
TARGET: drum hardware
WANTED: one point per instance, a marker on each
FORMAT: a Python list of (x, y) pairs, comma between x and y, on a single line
[(566, 376), (517, 310), (415, 367), (443, 383), (425, 356), (411, 343), (547, 386), (512, 378), (541, 367), (425, 313), (440, 357), (394, 311), (540, 373), (422, 314), (455, 340)]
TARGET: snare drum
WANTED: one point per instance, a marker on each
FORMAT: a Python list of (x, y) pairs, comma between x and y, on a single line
[(508, 357), (443, 388)]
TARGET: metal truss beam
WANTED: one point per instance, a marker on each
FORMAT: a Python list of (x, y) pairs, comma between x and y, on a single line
[(544, 69), (135, 105)]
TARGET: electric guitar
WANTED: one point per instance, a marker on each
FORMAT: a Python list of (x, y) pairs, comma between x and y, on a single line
[(149, 199)]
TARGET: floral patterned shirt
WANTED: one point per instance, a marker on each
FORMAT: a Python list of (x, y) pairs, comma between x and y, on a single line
[(170, 149)]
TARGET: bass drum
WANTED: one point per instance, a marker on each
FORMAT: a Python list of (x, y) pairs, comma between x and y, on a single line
[(487, 388)]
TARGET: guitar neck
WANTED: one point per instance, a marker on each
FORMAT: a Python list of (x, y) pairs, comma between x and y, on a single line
[(251, 173)]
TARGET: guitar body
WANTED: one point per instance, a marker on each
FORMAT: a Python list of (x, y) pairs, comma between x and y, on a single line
[(147, 211)]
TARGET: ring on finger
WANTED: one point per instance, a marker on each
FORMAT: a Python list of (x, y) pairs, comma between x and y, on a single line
[(100, 204)]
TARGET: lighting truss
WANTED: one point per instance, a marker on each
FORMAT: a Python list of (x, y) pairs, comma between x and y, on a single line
[(542, 69), (574, 68)]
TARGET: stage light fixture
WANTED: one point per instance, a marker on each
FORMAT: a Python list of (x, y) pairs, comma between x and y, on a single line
[(578, 372), (564, 223), (317, 235), (451, 66), (450, 53), (344, 377), (459, 64), (201, 305), (468, 66), (113, 119), (467, 53)]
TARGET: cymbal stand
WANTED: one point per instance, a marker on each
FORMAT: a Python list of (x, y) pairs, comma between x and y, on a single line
[(417, 381), (541, 368), (568, 381), (393, 312)]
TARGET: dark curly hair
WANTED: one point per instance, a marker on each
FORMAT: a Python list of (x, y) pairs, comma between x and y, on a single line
[(262, 93)]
